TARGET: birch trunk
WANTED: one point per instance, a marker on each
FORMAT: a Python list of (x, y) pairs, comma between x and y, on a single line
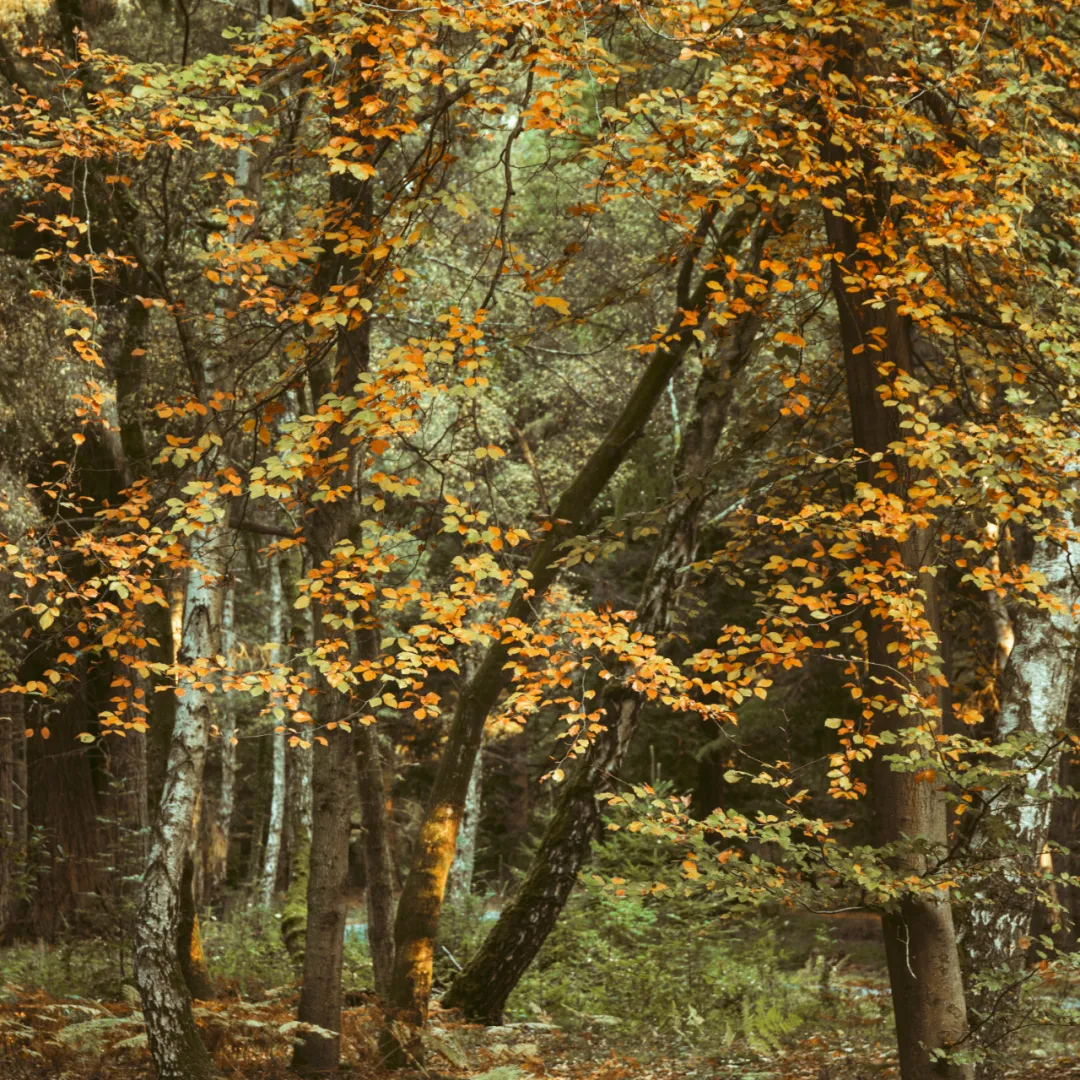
[(220, 779), (1014, 828), (175, 1045), (276, 818)]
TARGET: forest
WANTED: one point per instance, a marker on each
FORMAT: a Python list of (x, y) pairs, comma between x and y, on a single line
[(539, 538)]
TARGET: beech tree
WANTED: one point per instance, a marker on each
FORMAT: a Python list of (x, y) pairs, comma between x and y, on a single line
[(630, 358)]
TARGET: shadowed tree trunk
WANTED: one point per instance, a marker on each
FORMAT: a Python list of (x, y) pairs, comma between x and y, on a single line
[(378, 861), (481, 991), (177, 1050), (333, 766), (920, 941), (12, 806), (459, 880), (421, 900)]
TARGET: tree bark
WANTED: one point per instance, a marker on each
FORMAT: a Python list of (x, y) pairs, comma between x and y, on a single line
[(1013, 831), (920, 942), (175, 1045), (332, 787), (482, 989), (333, 764), (12, 807), (421, 899), (459, 879), (220, 780), (378, 861), (276, 818)]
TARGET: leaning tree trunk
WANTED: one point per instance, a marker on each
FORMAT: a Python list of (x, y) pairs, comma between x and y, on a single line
[(1034, 696), (459, 879), (175, 1045), (378, 861), (920, 941), (482, 989), (421, 899), (275, 825)]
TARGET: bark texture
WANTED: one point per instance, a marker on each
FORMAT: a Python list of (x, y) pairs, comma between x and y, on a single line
[(220, 777), (177, 1050), (378, 861), (333, 766), (275, 825), (1014, 826), (459, 880), (320, 1000), (421, 899)]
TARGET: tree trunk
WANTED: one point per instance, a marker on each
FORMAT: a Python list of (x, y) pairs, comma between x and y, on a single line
[(175, 1045), (378, 861), (333, 765), (483, 988), (298, 820), (459, 879), (276, 818), (920, 943), (189, 948), (1034, 696), (12, 808), (421, 900), (220, 784), (332, 787)]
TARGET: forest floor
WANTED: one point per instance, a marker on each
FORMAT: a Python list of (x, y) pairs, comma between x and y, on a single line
[(44, 1038)]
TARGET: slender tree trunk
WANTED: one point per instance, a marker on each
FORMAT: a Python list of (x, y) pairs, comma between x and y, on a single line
[(177, 1050), (298, 819), (332, 784), (12, 806), (276, 818), (333, 766), (459, 880), (220, 779), (1034, 697), (421, 900), (378, 861), (294, 910), (482, 990), (920, 942)]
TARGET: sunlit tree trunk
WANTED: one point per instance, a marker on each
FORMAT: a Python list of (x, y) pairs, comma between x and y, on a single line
[(276, 818), (482, 990), (177, 1050), (421, 899), (459, 879)]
